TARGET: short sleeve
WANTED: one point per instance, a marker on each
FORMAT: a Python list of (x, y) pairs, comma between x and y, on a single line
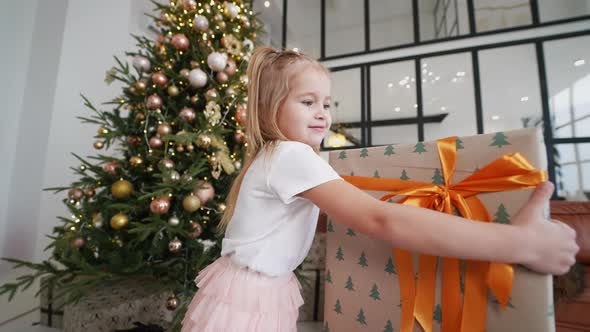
[(295, 168)]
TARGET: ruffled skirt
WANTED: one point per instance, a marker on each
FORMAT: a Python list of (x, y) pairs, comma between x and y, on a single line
[(233, 299)]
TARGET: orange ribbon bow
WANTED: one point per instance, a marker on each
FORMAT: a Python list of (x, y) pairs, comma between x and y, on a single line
[(509, 172)]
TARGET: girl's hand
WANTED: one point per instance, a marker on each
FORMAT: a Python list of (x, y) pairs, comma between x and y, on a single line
[(550, 245)]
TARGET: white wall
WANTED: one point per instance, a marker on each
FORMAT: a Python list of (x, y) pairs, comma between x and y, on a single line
[(58, 49)]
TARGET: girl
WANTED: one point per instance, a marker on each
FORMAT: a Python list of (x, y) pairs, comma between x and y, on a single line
[(273, 205)]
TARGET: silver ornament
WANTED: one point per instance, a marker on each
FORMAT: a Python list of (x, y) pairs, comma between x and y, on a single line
[(197, 78), (175, 245), (141, 63), (217, 61), (231, 10), (173, 221), (173, 176), (200, 23), (248, 44)]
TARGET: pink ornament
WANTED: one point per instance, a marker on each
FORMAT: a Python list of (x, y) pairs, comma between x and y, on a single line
[(197, 230), (204, 191), (160, 79), (160, 205), (221, 77), (211, 94), (241, 114), (189, 5), (188, 114), (230, 68), (180, 42), (156, 142), (167, 163), (111, 167), (154, 102)]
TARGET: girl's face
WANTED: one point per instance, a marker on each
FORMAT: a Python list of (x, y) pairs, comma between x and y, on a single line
[(304, 116)]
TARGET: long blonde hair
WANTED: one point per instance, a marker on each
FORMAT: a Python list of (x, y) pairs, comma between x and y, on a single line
[(269, 73)]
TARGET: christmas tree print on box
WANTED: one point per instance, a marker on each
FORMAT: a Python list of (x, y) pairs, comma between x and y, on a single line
[(502, 216), (500, 140), (419, 148), (361, 317), (363, 260), (375, 293), (389, 150)]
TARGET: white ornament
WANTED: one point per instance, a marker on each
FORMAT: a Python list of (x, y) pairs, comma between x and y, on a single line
[(141, 63), (200, 23), (197, 78), (173, 221), (231, 10), (217, 61), (248, 44)]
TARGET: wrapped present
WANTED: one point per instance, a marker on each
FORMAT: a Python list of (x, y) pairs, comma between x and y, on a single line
[(313, 296), (370, 286), (118, 306), (316, 257), (50, 307)]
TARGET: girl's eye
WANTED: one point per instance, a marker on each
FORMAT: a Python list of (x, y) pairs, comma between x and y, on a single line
[(307, 103), (327, 106)]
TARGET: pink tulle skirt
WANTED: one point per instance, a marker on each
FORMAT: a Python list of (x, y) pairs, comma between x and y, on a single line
[(233, 299)]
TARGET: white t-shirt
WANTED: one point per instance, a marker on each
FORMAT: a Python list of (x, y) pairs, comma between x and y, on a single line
[(271, 230)]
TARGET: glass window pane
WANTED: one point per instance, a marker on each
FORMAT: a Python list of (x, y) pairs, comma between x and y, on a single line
[(345, 27), (572, 170), (501, 14), (510, 88), (272, 19), (394, 134), (447, 88), (391, 23), (551, 10), (393, 91), (304, 26), (567, 62), (443, 18), (346, 108)]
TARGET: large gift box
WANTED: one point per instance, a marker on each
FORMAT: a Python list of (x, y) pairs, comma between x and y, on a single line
[(118, 306), (495, 174)]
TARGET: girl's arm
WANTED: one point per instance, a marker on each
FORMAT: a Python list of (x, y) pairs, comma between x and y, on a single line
[(547, 247)]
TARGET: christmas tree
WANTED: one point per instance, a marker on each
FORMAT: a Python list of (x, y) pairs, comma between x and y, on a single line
[(349, 285), (437, 178), (178, 129), (389, 267), (361, 317), (338, 307), (388, 326), (375, 293), (363, 260), (340, 254), (404, 175)]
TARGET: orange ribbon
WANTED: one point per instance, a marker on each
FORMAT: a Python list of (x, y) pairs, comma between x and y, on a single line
[(509, 172)]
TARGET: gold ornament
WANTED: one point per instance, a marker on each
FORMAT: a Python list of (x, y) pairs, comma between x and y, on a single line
[(102, 131), (98, 145), (119, 220), (173, 91), (150, 168), (172, 303), (140, 85), (173, 221), (89, 192), (221, 207), (191, 203), (164, 129), (135, 161), (175, 245), (121, 189), (139, 116), (190, 148), (180, 148), (97, 220), (203, 141)]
